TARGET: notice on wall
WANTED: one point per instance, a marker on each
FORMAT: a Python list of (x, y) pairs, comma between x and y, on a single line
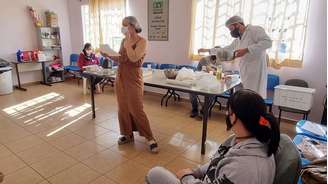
[(158, 20)]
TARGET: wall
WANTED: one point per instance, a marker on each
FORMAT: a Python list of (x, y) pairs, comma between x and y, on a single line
[(176, 49), (173, 51), (18, 32), (314, 69)]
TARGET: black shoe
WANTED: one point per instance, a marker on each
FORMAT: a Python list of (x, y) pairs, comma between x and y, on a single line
[(194, 114)]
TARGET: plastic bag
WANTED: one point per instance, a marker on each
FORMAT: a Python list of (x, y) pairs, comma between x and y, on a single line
[(207, 82), (185, 74)]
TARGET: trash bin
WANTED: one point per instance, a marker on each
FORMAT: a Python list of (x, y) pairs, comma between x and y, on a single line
[(6, 82)]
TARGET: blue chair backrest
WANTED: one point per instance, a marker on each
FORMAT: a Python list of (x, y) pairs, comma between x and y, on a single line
[(153, 65), (187, 66), (167, 66), (273, 81), (73, 59)]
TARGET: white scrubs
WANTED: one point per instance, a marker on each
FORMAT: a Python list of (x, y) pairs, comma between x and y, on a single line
[(253, 65)]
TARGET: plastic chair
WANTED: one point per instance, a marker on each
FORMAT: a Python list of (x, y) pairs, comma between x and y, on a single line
[(170, 92), (298, 83), (73, 63), (187, 66), (288, 162), (153, 65), (73, 69), (167, 66), (273, 81)]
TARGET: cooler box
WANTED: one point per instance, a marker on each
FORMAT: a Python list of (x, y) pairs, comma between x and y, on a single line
[(6, 83), (293, 97)]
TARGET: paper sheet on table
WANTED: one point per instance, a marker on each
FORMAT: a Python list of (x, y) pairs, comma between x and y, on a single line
[(107, 50), (314, 128)]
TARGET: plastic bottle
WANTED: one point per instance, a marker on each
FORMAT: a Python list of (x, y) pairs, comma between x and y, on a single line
[(19, 55), (219, 72)]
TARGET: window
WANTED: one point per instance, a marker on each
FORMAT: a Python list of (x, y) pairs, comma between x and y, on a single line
[(283, 20), (110, 25)]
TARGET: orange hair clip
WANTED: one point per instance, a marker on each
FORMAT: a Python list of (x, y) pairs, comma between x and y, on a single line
[(264, 122)]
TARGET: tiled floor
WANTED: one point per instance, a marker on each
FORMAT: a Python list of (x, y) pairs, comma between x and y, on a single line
[(47, 136)]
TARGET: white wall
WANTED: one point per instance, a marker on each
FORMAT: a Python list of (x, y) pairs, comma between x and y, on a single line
[(314, 70), (176, 49), (173, 51), (18, 32)]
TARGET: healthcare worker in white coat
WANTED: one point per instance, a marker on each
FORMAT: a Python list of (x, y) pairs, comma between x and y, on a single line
[(250, 47)]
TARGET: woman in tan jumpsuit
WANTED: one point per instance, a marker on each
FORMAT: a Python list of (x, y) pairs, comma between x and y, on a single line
[(130, 86)]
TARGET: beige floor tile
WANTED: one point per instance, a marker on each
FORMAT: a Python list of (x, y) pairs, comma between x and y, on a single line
[(37, 153), (12, 134), (91, 131), (44, 182), (6, 123), (194, 152), (151, 160), (53, 133), (130, 150), (175, 145), (23, 176), (26, 143), (11, 164), (105, 161), (107, 140), (37, 127), (4, 152), (85, 150), (103, 180), (180, 163), (78, 174), (53, 164), (67, 141), (128, 173), (110, 124), (81, 123)]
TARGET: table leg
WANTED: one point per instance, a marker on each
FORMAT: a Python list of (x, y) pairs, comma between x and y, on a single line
[(92, 86), (207, 103), (18, 79), (84, 85)]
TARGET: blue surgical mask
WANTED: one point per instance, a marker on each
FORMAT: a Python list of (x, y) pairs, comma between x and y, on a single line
[(124, 30)]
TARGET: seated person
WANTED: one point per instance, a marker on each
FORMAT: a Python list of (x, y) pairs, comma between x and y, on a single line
[(207, 63), (86, 58), (245, 157)]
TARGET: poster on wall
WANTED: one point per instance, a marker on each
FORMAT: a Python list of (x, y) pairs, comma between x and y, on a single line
[(158, 20)]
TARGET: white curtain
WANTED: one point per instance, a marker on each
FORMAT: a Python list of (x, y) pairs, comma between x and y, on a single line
[(285, 22), (104, 22)]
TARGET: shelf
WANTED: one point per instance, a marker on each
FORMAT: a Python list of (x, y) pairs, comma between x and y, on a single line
[(50, 38)]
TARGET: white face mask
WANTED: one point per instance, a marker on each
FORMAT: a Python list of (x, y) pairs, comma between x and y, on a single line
[(124, 30), (88, 52)]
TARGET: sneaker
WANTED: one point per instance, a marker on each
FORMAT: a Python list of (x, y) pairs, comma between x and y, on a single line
[(125, 139), (153, 146)]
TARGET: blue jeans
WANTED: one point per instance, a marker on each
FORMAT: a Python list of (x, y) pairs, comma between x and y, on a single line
[(194, 103)]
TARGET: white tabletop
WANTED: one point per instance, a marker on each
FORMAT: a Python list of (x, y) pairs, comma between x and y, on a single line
[(161, 82)]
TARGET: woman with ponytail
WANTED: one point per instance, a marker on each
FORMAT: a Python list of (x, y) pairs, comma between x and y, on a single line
[(247, 156)]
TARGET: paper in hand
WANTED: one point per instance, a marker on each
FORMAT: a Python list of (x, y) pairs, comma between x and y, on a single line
[(107, 50)]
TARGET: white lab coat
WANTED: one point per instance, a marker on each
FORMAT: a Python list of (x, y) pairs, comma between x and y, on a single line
[(253, 65)]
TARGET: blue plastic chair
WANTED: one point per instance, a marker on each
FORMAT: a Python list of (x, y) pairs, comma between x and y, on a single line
[(73, 63), (153, 65), (167, 66), (186, 66), (273, 81)]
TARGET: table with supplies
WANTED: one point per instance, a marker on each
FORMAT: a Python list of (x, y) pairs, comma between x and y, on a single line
[(154, 78), (311, 140)]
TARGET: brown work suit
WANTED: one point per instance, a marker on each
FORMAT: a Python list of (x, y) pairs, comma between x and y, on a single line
[(130, 89)]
